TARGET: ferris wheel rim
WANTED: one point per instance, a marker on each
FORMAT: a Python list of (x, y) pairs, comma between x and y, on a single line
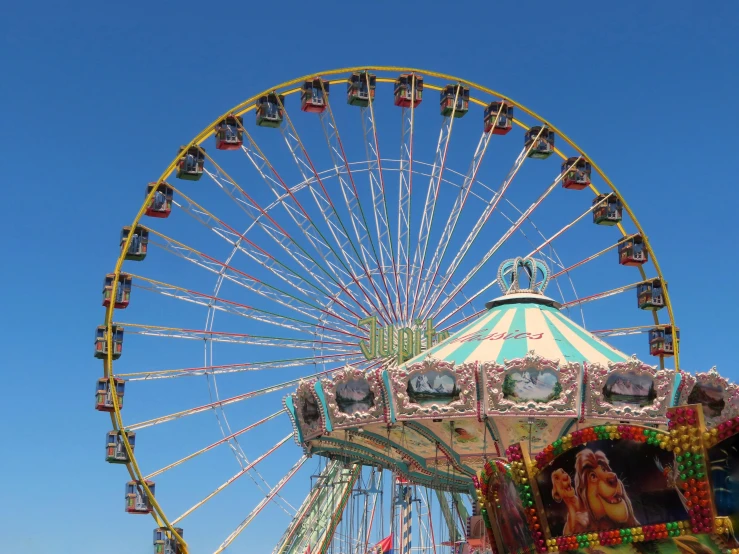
[(248, 105)]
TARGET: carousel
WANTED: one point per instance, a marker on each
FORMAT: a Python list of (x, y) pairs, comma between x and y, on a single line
[(566, 443)]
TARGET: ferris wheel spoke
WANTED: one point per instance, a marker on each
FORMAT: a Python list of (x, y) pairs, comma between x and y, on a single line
[(463, 320), (491, 252), (232, 480), (583, 261), (429, 208), (250, 249), (284, 241), (276, 489), (229, 306), (470, 178), (259, 255), (224, 440), (600, 295), (240, 368), (405, 190), (490, 207), (377, 188), (623, 331), (354, 265), (234, 338), (246, 396), (565, 228), (249, 282), (301, 218), (351, 197)]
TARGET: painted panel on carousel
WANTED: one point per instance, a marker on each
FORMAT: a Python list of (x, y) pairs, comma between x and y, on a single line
[(308, 410), (719, 397), (433, 389), (723, 455), (607, 485), (532, 385), (504, 509), (464, 436), (354, 397), (535, 433), (628, 390)]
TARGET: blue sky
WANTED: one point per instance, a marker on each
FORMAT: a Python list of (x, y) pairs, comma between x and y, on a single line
[(96, 97)]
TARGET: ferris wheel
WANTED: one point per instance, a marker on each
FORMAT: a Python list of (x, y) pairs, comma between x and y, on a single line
[(340, 220)]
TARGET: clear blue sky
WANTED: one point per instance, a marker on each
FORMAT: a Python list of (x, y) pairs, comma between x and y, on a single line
[(95, 96)]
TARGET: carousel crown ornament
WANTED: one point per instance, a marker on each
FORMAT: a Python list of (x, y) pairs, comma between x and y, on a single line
[(512, 273)]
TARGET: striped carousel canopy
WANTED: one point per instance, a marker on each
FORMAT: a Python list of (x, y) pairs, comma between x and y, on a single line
[(522, 320)]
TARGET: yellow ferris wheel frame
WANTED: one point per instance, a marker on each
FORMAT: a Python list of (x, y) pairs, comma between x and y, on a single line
[(287, 88)]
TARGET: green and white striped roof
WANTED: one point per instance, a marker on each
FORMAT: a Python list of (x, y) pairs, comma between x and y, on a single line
[(516, 324)]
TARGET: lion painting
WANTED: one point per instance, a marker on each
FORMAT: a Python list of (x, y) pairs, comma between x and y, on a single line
[(602, 492), (562, 491)]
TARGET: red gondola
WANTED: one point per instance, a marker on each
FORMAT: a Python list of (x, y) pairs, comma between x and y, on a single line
[(632, 251), (160, 204), (498, 118), (122, 290), (229, 134), (662, 341), (408, 90), (576, 173), (312, 98)]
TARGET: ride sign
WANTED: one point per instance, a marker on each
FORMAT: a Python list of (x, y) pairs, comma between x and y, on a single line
[(401, 342)]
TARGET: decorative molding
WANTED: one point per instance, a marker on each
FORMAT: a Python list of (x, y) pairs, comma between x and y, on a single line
[(711, 378), (416, 463), (565, 405), (341, 419), (598, 405), (288, 402), (406, 409), (305, 391)]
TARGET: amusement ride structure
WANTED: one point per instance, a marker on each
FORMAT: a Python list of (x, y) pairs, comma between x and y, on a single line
[(393, 353)]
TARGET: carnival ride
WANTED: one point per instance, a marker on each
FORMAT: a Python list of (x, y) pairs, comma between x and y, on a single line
[(441, 416)]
